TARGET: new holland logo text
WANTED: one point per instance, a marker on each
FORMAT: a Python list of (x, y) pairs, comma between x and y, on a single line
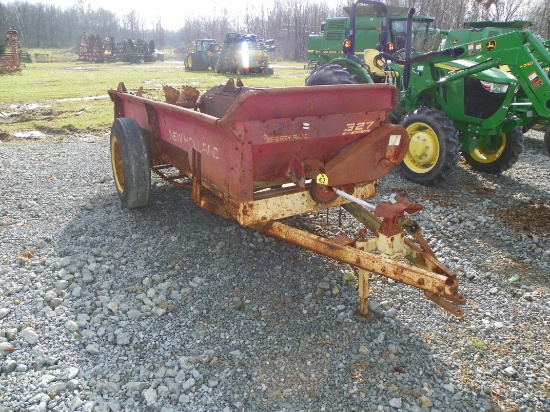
[(201, 147)]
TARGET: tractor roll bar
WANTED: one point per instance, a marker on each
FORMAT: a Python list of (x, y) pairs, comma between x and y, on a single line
[(382, 40)]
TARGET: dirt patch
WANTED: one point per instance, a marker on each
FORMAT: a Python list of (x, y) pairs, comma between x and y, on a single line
[(5, 136), (532, 217), (482, 191)]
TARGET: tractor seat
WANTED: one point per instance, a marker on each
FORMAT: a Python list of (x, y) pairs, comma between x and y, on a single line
[(373, 64)]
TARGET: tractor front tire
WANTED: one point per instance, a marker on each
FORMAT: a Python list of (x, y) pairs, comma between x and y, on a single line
[(501, 156), (433, 146), (547, 140), (130, 160), (330, 74)]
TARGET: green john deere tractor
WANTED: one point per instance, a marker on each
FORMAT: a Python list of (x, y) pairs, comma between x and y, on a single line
[(245, 54), (204, 57), (529, 100), (326, 45), (448, 102)]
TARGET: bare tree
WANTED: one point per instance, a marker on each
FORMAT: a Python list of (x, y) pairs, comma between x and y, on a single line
[(288, 22)]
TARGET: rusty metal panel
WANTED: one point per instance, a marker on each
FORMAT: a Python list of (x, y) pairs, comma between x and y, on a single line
[(265, 210), (373, 157), (264, 130), (290, 102)]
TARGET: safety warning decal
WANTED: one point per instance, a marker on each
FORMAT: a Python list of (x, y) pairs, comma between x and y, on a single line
[(395, 140), (535, 80)]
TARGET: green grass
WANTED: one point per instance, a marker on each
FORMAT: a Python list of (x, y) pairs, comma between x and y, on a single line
[(478, 344), (66, 96)]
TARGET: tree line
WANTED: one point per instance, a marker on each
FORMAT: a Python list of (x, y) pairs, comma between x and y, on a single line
[(288, 22)]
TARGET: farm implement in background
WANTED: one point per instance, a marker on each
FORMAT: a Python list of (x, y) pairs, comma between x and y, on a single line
[(12, 57), (94, 49)]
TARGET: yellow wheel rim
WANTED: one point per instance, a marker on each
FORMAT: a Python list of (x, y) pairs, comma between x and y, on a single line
[(117, 164), (423, 150), (485, 155)]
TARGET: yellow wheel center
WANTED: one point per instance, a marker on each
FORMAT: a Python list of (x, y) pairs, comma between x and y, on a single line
[(423, 150), (117, 164), (485, 155)]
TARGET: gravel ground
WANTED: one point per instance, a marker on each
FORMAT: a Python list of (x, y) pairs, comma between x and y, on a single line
[(170, 308)]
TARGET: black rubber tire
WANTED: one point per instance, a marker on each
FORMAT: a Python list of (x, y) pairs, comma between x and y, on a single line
[(131, 163), (186, 62), (547, 139), (424, 163), (200, 61), (330, 74), (196, 61), (497, 160)]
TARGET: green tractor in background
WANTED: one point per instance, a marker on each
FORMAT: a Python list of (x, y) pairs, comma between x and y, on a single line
[(326, 45), (245, 54), (450, 103), (204, 57), (479, 31)]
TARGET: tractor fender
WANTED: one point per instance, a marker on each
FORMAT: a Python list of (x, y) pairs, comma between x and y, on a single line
[(353, 68)]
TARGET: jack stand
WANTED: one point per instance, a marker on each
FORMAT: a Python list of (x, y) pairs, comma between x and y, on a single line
[(363, 292)]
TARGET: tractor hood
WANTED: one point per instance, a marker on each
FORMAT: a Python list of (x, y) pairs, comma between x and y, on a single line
[(490, 75)]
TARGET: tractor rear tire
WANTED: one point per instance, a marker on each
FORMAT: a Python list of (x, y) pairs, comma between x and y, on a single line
[(196, 61), (433, 146), (500, 157), (330, 74), (190, 63), (547, 140), (201, 60), (130, 160)]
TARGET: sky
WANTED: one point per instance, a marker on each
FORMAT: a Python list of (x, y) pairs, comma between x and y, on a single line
[(172, 13)]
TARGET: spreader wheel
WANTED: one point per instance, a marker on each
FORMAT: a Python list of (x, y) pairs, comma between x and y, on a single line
[(547, 139), (130, 160), (498, 157), (433, 146)]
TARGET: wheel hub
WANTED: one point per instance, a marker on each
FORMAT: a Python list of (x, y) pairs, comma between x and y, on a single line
[(489, 154), (419, 145), (423, 150)]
